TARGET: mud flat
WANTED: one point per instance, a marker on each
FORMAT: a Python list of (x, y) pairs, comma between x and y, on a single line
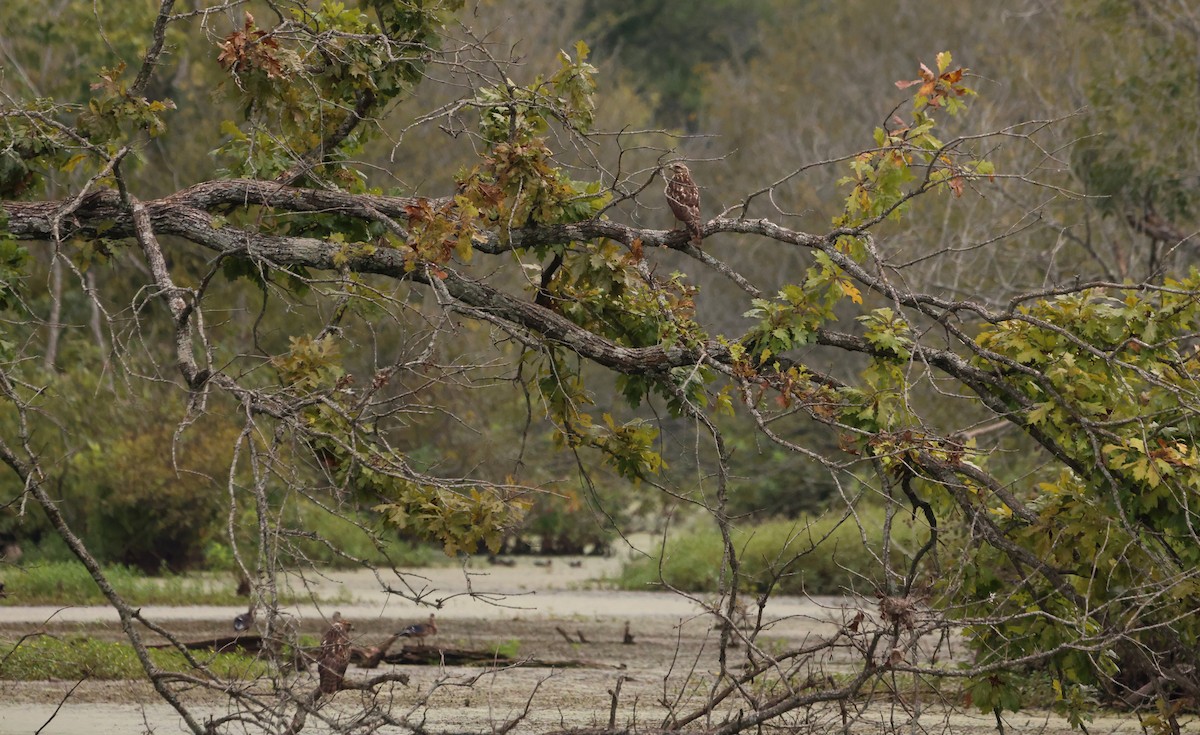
[(528, 611)]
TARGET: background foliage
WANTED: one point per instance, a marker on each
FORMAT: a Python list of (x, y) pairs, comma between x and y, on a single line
[(300, 283)]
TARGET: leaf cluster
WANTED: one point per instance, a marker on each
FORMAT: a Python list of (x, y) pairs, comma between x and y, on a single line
[(460, 521), (1111, 375)]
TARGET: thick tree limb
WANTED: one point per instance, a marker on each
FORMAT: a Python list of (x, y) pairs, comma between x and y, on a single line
[(150, 61), (186, 214)]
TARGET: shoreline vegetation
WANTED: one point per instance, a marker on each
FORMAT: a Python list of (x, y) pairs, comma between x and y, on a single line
[(689, 561)]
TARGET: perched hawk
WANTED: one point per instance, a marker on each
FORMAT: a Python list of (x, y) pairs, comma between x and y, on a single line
[(684, 197), (335, 654)]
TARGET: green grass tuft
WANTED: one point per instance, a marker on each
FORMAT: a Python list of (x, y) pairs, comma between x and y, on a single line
[(507, 649), (68, 583), (797, 552), (47, 657)]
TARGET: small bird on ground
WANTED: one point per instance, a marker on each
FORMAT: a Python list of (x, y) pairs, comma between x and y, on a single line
[(244, 620), (420, 631)]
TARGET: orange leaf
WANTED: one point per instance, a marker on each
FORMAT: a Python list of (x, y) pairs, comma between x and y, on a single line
[(636, 250)]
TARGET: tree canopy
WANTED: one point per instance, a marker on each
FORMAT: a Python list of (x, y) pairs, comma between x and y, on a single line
[(379, 259)]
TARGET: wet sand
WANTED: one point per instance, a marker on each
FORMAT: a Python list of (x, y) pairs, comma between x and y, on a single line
[(478, 592), (478, 607)]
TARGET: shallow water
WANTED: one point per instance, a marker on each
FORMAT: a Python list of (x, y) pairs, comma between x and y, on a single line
[(478, 592), (475, 605), (93, 719)]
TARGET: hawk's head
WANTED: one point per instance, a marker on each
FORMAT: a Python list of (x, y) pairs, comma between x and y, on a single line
[(337, 621)]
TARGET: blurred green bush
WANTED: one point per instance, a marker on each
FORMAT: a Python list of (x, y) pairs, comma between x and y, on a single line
[(814, 554)]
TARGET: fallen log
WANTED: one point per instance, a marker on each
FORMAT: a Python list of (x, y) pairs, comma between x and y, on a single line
[(433, 655), (220, 644), (371, 657)]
